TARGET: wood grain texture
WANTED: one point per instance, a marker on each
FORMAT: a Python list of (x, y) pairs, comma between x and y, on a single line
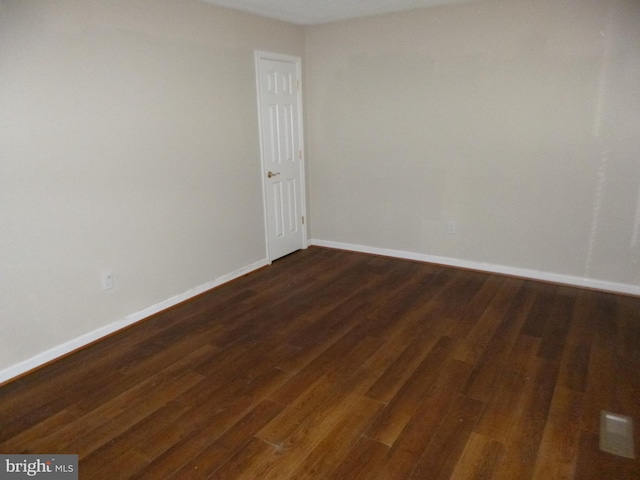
[(333, 364)]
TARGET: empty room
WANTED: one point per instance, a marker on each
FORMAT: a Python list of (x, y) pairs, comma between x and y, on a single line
[(302, 239)]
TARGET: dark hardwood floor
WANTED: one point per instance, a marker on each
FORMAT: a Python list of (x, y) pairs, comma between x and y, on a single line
[(339, 365)]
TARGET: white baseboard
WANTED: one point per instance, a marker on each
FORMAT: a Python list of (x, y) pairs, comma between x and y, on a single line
[(83, 340), (624, 288)]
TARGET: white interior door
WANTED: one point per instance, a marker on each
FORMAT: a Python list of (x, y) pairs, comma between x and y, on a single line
[(279, 104)]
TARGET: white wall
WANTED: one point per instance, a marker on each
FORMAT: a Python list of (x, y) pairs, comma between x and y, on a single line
[(128, 143), (519, 120)]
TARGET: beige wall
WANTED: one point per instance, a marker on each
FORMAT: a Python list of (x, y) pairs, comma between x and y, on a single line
[(128, 142), (519, 120)]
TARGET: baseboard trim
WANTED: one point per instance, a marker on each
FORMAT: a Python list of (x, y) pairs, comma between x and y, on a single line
[(590, 283), (66, 348)]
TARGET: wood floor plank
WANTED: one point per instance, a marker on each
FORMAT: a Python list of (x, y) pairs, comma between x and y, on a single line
[(23, 441), (155, 391), (395, 416), (418, 431), (469, 311), (484, 327), (28, 407), (130, 440), (335, 324), (332, 450), (313, 428), (525, 436), (237, 368), (575, 366), (460, 289), (171, 447), (205, 463), (540, 311), (629, 328), (349, 352), (503, 406), (246, 462), (559, 446), (449, 440), (516, 316), (396, 375), (361, 462), (485, 347), (556, 328), (130, 385), (123, 466), (83, 445), (522, 357), (479, 459), (326, 395), (486, 372), (600, 392), (335, 364)]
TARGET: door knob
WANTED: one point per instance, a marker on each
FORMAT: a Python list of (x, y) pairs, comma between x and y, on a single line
[(271, 174)]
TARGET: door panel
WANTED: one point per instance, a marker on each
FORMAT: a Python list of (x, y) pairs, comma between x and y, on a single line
[(281, 142)]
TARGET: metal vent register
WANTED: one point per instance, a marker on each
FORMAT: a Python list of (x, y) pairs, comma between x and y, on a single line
[(616, 434)]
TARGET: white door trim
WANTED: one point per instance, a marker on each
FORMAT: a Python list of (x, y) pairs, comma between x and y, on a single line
[(263, 55)]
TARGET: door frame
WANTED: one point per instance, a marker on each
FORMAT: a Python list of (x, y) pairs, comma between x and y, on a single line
[(263, 55)]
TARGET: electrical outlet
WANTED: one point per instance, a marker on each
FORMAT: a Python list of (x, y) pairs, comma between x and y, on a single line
[(451, 227), (107, 281)]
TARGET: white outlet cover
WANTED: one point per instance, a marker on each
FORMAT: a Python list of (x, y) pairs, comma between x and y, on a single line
[(107, 281), (451, 227)]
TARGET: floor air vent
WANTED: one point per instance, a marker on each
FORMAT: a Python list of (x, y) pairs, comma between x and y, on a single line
[(616, 434)]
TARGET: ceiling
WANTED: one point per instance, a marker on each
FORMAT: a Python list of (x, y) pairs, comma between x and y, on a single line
[(310, 12)]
